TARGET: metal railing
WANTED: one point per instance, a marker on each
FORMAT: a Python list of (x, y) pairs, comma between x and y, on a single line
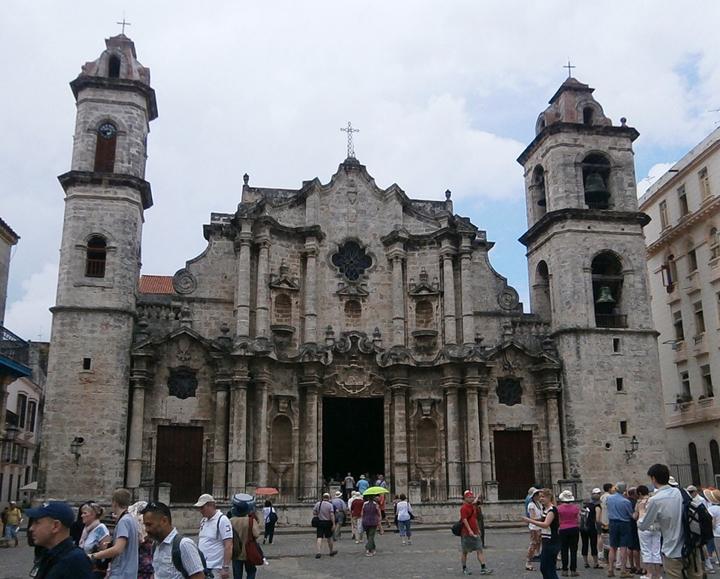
[(689, 474), (611, 320)]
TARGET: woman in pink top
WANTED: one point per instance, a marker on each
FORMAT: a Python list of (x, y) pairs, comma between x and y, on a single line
[(569, 516)]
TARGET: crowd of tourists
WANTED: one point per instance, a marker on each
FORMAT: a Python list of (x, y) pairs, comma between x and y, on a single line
[(644, 530)]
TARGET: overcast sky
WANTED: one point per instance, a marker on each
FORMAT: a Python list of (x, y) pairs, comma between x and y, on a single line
[(445, 94)]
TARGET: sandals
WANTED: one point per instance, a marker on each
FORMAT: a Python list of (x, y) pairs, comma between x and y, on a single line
[(529, 567)]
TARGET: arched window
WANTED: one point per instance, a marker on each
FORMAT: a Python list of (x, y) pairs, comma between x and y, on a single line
[(596, 178), (540, 124), (114, 66), (96, 257), (424, 315), (543, 306), (715, 457), (283, 309), (427, 441), (281, 440), (607, 282), (353, 312), (105, 145), (537, 188), (588, 116), (694, 464)]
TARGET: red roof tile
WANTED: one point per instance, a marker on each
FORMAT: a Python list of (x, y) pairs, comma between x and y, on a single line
[(156, 284)]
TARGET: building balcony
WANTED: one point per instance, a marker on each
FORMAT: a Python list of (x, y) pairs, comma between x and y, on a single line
[(693, 412)]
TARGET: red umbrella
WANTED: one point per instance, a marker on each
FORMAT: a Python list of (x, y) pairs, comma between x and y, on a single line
[(266, 491)]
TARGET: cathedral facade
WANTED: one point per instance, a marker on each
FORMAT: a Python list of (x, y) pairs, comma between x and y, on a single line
[(346, 327)]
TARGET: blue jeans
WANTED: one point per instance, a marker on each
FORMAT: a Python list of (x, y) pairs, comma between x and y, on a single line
[(238, 567), (548, 558), (404, 528)]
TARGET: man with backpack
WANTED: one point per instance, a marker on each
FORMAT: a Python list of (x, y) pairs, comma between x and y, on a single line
[(215, 538), (175, 556), (681, 523)]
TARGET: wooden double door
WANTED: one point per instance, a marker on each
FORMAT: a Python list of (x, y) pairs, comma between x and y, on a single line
[(179, 461), (514, 463)]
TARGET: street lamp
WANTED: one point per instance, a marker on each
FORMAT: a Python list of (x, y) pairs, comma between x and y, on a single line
[(75, 445), (632, 448)]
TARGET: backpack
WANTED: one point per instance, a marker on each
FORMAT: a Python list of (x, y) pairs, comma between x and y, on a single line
[(456, 529), (272, 517), (697, 525), (585, 517), (177, 558)]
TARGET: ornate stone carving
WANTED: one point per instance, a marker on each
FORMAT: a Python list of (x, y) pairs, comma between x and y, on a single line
[(424, 287), (283, 280), (184, 282), (508, 299), (351, 260), (509, 391), (182, 382)]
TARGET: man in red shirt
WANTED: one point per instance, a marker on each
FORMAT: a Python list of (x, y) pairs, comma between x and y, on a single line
[(470, 533)]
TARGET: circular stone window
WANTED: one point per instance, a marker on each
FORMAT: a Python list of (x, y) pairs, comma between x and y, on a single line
[(351, 260)]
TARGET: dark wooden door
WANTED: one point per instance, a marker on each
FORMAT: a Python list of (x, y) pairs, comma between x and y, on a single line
[(514, 464), (179, 461)]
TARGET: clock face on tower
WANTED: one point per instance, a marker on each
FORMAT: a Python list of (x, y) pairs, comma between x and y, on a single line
[(107, 130)]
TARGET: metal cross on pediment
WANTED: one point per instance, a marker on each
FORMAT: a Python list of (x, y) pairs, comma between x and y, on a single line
[(569, 67), (124, 23), (350, 147)]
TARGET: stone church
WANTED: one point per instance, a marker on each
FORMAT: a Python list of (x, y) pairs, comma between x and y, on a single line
[(345, 326)]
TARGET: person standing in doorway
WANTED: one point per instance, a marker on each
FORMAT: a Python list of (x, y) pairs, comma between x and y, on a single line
[(370, 522), (126, 539), (349, 486), (325, 513), (470, 539), (363, 484), (569, 531), (550, 526)]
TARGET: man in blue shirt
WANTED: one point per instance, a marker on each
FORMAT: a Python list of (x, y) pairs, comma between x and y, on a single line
[(620, 512), (51, 529)]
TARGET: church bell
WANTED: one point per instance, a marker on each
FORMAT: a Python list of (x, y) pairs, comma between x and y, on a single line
[(605, 296), (596, 192)]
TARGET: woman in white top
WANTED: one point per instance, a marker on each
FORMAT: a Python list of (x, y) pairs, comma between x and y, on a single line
[(713, 497), (650, 540), (404, 514), (535, 512), (95, 535)]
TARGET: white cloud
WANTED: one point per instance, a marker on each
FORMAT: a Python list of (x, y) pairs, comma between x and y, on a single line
[(655, 172), (28, 317)]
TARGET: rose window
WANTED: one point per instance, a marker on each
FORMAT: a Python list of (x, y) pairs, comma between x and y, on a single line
[(351, 260)]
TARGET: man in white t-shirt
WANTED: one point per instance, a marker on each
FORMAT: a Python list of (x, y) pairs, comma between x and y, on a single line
[(215, 537)]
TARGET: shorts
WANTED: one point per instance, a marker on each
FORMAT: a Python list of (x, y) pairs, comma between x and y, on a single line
[(620, 534), (11, 531), (650, 547), (468, 544), (324, 530)]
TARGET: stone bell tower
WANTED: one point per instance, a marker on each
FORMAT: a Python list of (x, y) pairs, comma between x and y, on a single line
[(586, 260), (106, 194)]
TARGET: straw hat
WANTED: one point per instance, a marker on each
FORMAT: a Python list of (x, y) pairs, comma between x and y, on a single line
[(713, 495), (566, 496)]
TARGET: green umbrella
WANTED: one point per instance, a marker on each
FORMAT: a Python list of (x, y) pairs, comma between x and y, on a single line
[(375, 491)]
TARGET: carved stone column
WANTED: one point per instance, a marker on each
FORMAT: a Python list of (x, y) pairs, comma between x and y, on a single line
[(485, 458), (262, 377), (220, 444), (262, 309), (242, 296), (449, 296), (399, 387), (237, 461), (474, 467), (139, 379), (551, 393), (310, 289), (310, 385), (468, 318), (450, 383), (398, 298)]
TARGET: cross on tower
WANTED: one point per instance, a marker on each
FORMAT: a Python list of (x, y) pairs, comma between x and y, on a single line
[(124, 23), (350, 147), (569, 67)]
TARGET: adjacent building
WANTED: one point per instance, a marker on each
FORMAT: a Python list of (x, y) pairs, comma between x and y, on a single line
[(683, 257), (346, 326)]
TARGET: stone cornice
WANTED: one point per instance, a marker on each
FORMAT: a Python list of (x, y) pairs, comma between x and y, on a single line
[(72, 178), (577, 214), (706, 210), (119, 84)]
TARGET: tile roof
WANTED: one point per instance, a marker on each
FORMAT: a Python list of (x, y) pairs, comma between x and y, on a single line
[(156, 284)]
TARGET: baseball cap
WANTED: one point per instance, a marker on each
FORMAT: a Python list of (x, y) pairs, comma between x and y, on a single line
[(596, 491), (57, 510), (204, 500), (468, 494)]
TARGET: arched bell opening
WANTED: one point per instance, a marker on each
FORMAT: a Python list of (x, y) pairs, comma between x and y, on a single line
[(596, 179), (607, 283)]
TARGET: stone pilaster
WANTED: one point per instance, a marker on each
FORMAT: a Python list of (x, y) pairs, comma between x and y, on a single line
[(262, 310), (399, 387), (242, 296), (223, 383), (262, 377), (468, 318), (449, 296), (551, 392), (309, 477), (310, 291), (450, 383), (139, 379), (398, 297), (237, 460), (485, 434), (474, 447)]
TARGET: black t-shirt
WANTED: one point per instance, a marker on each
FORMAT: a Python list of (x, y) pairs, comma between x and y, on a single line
[(554, 526), (591, 518)]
